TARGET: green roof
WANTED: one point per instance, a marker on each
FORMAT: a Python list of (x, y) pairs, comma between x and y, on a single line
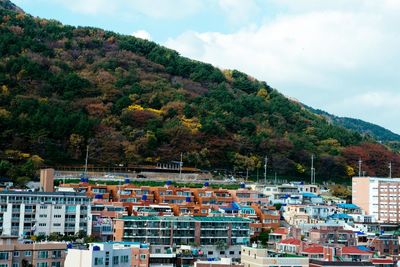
[(184, 218)]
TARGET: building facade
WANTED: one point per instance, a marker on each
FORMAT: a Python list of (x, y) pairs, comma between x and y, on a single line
[(42, 213), (378, 197)]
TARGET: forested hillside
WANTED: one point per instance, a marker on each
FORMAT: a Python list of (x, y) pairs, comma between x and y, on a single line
[(136, 102)]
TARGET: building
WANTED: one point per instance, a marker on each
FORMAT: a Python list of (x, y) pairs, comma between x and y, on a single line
[(122, 254), (328, 235), (217, 236), (378, 197), (14, 253), (47, 180), (224, 262), (259, 257), (25, 213)]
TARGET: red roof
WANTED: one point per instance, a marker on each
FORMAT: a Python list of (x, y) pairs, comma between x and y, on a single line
[(313, 250), (382, 261), (291, 241), (355, 250), (281, 231)]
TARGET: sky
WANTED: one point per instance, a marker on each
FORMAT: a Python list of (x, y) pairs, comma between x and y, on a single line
[(341, 56)]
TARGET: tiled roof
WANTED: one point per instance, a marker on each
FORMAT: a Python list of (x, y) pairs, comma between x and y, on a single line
[(291, 241), (355, 250), (281, 231), (314, 250)]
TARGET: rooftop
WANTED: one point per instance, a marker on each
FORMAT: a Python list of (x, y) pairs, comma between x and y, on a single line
[(184, 218)]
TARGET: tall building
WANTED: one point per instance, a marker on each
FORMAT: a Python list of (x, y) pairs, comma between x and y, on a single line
[(222, 234), (42, 213), (16, 254), (47, 180), (379, 197)]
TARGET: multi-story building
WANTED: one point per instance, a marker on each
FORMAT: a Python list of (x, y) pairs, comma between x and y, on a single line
[(328, 235), (40, 254), (41, 213), (166, 233), (378, 197), (259, 257), (123, 254)]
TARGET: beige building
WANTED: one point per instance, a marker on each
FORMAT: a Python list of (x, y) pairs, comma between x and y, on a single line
[(47, 180), (379, 197), (259, 257), (43, 254)]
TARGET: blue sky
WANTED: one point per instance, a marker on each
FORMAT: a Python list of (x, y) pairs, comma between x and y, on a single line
[(341, 56)]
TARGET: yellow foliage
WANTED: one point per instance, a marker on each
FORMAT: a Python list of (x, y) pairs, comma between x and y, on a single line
[(4, 90), (350, 171), (139, 107), (4, 114), (193, 124), (300, 168)]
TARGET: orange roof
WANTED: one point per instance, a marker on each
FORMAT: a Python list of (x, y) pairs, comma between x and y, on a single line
[(355, 250), (291, 241), (281, 231), (314, 250)]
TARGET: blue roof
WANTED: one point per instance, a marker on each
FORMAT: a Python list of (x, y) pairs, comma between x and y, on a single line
[(347, 206), (364, 248), (340, 216), (309, 195)]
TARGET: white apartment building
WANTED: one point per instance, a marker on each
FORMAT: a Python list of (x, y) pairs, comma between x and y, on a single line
[(379, 197), (99, 255), (25, 213)]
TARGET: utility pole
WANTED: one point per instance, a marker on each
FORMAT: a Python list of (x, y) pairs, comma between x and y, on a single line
[(359, 167), (390, 169), (86, 160), (265, 169), (180, 167), (312, 170)]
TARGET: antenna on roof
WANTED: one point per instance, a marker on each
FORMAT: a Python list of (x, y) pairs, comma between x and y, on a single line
[(359, 167), (180, 167)]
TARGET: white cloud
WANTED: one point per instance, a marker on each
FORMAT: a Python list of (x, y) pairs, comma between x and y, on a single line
[(320, 56), (238, 11), (142, 34)]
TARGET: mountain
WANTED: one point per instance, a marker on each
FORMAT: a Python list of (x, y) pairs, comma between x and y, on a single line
[(63, 88), (364, 128)]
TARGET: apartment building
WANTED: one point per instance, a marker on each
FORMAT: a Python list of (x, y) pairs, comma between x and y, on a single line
[(41, 213), (14, 253), (165, 233), (259, 257), (328, 235), (124, 254), (247, 197), (378, 196)]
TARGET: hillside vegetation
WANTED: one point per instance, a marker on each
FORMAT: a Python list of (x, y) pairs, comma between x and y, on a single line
[(135, 102)]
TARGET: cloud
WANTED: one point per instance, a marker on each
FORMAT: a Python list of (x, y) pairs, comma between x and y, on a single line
[(321, 56), (238, 11), (142, 34)]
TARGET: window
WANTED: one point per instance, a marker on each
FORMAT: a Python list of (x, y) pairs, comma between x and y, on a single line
[(115, 260), (56, 264), (124, 259), (16, 254), (98, 261), (43, 207), (56, 254), (28, 253), (231, 252), (142, 256), (210, 253), (3, 265), (43, 254), (57, 207), (15, 265), (57, 215), (3, 255), (42, 264)]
